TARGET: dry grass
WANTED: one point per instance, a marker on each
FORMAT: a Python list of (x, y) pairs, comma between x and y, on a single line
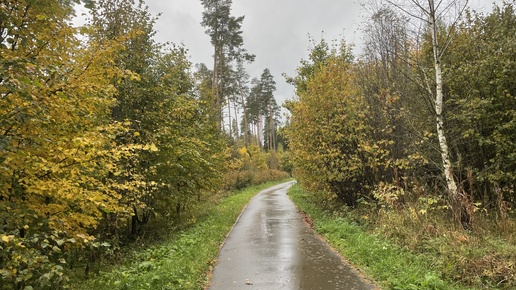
[(484, 257)]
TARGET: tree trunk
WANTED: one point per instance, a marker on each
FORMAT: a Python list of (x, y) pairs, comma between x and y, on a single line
[(215, 87), (259, 130), (271, 130), (236, 118), (458, 204), (439, 103), (246, 138), (230, 123)]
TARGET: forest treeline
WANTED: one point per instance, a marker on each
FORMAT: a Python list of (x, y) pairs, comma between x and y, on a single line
[(364, 129), (103, 130)]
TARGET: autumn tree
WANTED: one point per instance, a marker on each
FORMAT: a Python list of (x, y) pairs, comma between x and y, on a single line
[(190, 157), (131, 24), (161, 109), (57, 151), (329, 129), (386, 76), (100, 127)]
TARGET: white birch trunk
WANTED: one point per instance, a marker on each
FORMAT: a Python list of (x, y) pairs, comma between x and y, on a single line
[(439, 103)]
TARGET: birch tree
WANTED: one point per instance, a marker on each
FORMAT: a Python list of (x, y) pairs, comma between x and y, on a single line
[(432, 13)]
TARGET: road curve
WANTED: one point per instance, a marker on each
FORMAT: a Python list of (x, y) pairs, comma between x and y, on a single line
[(271, 247)]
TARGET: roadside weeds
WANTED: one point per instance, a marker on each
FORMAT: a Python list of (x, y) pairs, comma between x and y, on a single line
[(398, 252)]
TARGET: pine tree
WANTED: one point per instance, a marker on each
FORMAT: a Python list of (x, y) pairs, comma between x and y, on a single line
[(225, 32)]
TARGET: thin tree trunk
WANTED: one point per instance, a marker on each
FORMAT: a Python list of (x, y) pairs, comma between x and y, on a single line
[(459, 204), (220, 85), (236, 119), (271, 130), (259, 130), (439, 103), (230, 120), (246, 140), (255, 132), (215, 87)]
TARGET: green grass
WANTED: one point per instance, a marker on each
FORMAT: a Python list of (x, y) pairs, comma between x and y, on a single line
[(389, 265), (182, 261)]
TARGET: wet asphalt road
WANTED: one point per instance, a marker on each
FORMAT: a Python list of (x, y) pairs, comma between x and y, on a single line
[(271, 247)]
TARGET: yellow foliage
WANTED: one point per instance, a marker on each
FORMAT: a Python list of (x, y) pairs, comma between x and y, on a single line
[(243, 152), (57, 150), (67, 165)]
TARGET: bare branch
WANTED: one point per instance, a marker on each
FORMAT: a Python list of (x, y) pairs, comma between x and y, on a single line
[(449, 36), (409, 12)]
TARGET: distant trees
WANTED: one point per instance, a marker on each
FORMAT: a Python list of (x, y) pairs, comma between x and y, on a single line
[(262, 111), (225, 32), (230, 81)]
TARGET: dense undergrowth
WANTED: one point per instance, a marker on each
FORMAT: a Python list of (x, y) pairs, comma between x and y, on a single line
[(182, 258), (409, 248)]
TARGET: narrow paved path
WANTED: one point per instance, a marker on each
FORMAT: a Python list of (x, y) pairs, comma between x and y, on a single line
[(271, 247)]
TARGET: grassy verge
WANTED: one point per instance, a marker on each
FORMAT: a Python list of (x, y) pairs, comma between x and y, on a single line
[(390, 265), (182, 261)]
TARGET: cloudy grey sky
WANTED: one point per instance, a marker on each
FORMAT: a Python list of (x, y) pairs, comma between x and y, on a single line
[(276, 31)]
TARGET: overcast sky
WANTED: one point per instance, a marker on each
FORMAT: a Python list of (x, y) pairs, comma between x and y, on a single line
[(276, 31)]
